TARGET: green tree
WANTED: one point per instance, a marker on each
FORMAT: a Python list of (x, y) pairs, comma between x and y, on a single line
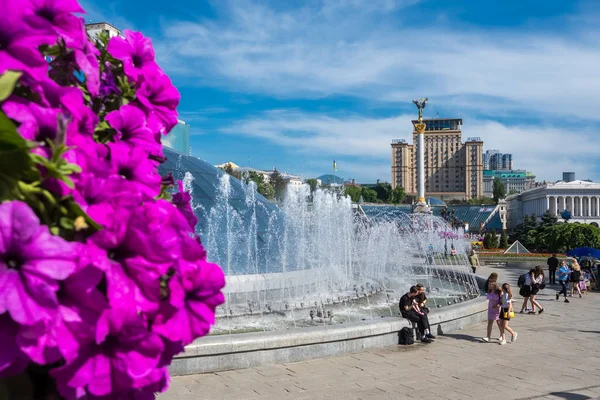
[(526, 231), (312, 183), (369, 195), (562, 237), (263, 187), (479, 200), (353, 192), (384, 191), (494, 240), (503, 240), (398, 194), (278, 184), (548, 219), (499, 190), (487, 241), (266, 189)]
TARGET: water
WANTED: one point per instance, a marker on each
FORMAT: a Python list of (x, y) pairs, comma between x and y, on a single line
[(317, 259)]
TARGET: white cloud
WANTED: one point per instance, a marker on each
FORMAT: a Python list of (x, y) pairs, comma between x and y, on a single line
[(356, 47), (365, 142)]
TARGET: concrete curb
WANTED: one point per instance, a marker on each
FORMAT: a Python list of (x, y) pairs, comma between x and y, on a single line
[(245, 350)]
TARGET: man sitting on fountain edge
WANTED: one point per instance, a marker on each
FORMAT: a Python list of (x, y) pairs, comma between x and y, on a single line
[(409, 308)]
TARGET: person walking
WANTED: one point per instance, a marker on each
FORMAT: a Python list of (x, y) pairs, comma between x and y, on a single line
[(552, 266), (474, 259), (525, 290), (505, 314), (575, 277), (494, 302), (492, 279), (563, 279), (537, 280)]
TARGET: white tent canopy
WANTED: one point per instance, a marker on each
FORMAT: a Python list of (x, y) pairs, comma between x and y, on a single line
[(516, 248)]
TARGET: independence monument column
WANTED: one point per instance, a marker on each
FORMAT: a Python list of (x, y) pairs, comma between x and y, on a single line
[(421, 205)]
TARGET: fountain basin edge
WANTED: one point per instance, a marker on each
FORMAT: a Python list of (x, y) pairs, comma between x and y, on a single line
[(246, 350)]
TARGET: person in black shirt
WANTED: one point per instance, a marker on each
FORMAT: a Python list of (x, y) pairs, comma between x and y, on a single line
[(552, 267), (421, 298), (409, 309)]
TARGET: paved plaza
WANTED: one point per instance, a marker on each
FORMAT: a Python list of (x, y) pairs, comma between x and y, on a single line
[(557, 356)]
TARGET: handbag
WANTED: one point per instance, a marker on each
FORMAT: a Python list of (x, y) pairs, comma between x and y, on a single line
[(511, 314)]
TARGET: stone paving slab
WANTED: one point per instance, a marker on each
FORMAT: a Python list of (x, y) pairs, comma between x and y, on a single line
[(557, 356)]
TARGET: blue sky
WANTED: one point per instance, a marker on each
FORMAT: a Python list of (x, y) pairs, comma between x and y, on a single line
[(297, 84)]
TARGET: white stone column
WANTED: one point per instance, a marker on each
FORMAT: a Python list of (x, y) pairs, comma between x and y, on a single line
[(547, 204), (421, 168), (589, 206), (597, 206), (581, 206)]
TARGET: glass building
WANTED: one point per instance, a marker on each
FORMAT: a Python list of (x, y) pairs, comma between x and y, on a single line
[(179, 138)]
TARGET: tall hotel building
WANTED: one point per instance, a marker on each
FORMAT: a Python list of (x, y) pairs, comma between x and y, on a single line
[(453, 169)]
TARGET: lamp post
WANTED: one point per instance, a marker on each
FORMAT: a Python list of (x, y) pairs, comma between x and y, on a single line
[(421, 206)]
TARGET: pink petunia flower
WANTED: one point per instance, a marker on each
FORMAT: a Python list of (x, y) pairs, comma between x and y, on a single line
[(32, 262), (130, 124), (136, 53), (124, 358)]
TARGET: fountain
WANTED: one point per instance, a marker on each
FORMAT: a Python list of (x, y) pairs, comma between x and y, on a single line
[(317, 259)]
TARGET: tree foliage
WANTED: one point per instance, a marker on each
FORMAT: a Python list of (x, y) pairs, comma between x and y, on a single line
[(503, 240), (475, 201), (398, 194), (263, 187), (278, 184), (369, 195), (562, 237), (354, 193), (313, 184), (499, 190), (384, 192)]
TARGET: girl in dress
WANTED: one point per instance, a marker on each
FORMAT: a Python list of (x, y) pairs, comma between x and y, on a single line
[(494, 302), (505, 312)]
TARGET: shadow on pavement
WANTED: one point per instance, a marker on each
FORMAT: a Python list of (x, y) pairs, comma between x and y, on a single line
[(464, 337), (571, 396), (589, 331)]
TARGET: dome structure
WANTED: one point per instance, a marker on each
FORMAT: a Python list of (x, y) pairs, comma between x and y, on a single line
[(225, 206), (435, 202)]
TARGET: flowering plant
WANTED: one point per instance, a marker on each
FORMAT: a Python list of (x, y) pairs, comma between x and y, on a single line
[(102, 279)]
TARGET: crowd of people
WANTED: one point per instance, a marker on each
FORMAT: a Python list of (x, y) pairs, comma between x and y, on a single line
[(500, 296)]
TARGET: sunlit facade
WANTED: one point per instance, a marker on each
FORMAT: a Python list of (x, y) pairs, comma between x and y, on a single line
[(179, 138)]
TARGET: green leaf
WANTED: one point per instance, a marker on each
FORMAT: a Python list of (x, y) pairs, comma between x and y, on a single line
[(8, 81), (14, 151)]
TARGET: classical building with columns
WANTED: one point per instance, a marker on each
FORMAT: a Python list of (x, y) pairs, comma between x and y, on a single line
[(581, 198)]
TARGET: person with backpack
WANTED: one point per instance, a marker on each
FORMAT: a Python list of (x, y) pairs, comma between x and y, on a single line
[(525, 291), (563, 279), (537, 284), (410, 310)]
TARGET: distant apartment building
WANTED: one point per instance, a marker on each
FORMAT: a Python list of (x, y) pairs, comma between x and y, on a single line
[(93, 30), (453, 169), (179, 138), (494, 160), (515, 181)]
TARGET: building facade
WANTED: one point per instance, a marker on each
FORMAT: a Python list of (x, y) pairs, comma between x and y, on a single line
[(179, 138), (494, 160), (513, 180), (453, 169), (93, 30), (580, 198)]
